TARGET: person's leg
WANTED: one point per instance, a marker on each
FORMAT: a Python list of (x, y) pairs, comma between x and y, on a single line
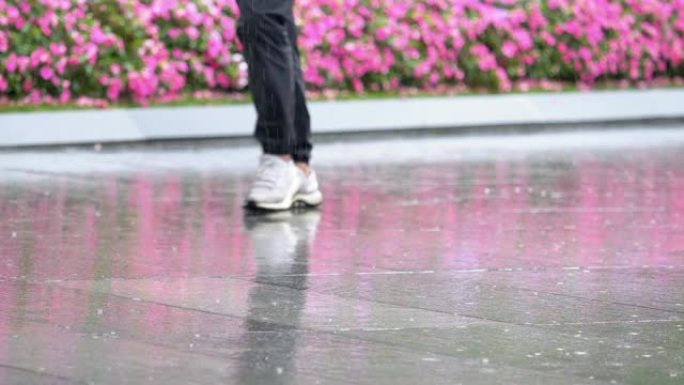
[(263, 29), (309, 192), (268, 34), (302, 122)]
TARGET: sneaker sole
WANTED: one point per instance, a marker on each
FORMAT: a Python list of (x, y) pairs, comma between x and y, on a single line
[(285, 204), (311, 200), (299, 201)]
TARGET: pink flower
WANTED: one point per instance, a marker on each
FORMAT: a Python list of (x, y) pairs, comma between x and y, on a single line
[(25, 7), (548, 38), (57, 49), (65, 96), (509, 49), (346, 45), (22, 63), (35, 97), (192, 32), (12, 63), (114, 89), (38, 57), (223, 80), (382, 34), (46, 73), (523, 39), (214, 46), (174, 33), (61, 66)]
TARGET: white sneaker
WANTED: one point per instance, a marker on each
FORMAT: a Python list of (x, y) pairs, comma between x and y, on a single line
[(276, 184), (308, 193)]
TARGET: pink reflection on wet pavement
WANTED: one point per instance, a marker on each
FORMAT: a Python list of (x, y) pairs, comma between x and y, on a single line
[(530, 215)]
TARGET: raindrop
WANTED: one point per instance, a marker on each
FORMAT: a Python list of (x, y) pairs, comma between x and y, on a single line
[(100, 311), (279, 370), (580, 353), (14, 234)]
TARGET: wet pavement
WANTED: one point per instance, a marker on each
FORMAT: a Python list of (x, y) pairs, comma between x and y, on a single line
[(536, 259)]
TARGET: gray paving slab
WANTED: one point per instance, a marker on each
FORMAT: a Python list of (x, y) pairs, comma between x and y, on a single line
[(539, 259), (22, 376), (483, 296), (269, 303), (604, 357), (252, 351)]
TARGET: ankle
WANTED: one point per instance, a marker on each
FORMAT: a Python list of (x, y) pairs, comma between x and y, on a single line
[(285, 157), (306, 169)]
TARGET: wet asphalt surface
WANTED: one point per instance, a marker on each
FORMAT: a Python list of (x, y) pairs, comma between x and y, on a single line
[(530, 259)]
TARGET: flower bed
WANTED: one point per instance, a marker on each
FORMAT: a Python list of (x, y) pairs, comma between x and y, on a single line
[(93, 52)]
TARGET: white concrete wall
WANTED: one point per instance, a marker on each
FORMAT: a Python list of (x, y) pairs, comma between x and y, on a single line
[(117, 125)]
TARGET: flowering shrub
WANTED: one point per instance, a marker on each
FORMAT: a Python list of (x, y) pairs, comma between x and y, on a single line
[(99, 51)]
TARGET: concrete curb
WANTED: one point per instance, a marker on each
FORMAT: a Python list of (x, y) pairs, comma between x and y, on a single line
[(340, 117)]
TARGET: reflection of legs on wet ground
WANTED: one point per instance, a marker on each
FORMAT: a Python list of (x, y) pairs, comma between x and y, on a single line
[(282, 243), (268, 33)]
